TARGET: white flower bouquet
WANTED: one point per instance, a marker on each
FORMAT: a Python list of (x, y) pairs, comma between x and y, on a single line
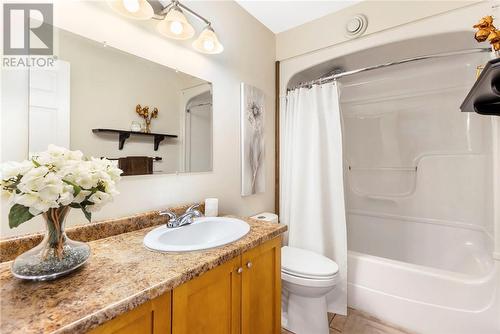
[(57, 178), (50, 184)]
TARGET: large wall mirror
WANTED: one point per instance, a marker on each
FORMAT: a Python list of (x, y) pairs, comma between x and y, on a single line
[(95, 99)]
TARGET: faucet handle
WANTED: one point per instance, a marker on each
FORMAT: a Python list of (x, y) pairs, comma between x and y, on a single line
[(194, 210), (168, 213), (172, 217), (192, 207)]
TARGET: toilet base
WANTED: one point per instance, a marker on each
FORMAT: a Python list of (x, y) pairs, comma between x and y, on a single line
[(306, 315)]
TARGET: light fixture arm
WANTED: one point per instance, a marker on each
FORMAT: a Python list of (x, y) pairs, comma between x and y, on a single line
[(192, 12), (176, 3), (163, 12)]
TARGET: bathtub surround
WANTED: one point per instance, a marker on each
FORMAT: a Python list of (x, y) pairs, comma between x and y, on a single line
[(426, 184), (241, 61), (458, 213), (312, 193), (121, 276)]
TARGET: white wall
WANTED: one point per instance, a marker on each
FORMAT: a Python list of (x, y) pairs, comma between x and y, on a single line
[(249, 56)]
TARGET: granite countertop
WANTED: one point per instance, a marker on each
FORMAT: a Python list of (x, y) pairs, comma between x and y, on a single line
[(120, 275)]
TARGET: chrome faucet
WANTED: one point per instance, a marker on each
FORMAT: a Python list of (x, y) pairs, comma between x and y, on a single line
[(185, 219)]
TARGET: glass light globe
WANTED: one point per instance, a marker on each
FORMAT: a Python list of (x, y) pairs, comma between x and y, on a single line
[(207, 42), (131, 5), (208, 45), (176, 27)]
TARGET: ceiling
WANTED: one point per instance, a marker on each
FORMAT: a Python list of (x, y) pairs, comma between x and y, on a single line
[(282, 15)]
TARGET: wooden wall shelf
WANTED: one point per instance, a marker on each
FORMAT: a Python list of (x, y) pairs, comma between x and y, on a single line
[(123, 135), (484, 97)]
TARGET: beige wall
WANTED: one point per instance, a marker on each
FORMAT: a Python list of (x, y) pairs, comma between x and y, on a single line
[(382, 15), (249, 56)]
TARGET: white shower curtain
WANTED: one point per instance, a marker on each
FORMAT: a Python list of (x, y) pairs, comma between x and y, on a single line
[(312, 191)]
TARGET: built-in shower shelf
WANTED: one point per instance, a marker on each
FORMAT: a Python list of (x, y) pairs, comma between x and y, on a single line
[(123, 135), (382, 182), (484, 97)]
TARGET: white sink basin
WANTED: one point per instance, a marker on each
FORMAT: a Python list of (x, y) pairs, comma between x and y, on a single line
[(205, 232)]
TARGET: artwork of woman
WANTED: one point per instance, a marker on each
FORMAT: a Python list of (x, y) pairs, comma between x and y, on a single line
[(252, 134)]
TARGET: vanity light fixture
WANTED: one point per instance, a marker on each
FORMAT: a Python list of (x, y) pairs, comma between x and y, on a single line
[(173, 23), (208, 42), (133, 9)]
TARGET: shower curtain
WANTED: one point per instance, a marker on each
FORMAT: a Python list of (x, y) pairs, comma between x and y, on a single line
[(312, 191)]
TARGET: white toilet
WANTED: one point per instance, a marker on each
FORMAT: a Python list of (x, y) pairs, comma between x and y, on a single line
[(306, 277)]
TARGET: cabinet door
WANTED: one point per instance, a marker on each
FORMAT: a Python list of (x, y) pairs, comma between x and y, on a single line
[(261, 289), (209, 303), (152, 317)]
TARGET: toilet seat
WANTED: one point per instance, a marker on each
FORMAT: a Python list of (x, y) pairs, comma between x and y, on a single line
[(305, 264), (309, 282)]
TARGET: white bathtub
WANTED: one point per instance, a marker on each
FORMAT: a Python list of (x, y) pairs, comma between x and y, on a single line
[(427, 276)]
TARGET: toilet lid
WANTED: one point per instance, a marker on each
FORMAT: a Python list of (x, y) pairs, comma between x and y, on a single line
[(305, 263)]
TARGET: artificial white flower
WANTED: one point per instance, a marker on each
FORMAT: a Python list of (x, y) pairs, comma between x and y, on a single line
[(52, 179), (57, 156), (13, 169), (99, 197), (66, 197), (33, 180), (35, 203), (81, 196)]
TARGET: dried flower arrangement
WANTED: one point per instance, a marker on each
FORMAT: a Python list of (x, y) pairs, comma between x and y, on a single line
[(487, 31), (144, 113)]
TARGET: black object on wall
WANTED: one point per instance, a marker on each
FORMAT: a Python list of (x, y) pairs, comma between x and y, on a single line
[(123, 135), (484, 97)]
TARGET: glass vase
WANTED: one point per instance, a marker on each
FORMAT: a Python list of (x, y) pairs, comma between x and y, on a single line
[(56, 255), (147, 125)]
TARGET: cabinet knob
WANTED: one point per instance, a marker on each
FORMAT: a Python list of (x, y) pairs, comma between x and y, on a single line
[(249, 264), (239, 270)]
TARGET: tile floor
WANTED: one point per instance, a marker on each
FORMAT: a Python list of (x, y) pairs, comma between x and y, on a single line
[(357, 322)]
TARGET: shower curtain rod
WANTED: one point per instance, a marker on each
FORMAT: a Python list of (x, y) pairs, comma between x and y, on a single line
[(407, 60)]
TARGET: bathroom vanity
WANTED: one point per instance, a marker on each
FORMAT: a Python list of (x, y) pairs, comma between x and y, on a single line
[(126, 288), (240, 296)]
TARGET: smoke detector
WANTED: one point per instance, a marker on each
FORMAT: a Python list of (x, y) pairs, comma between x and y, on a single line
[(356, 26)]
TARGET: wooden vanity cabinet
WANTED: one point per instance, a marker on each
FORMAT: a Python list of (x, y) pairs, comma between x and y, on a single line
[(261, 289), (209, 303), (152, 317), (240, 296)]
